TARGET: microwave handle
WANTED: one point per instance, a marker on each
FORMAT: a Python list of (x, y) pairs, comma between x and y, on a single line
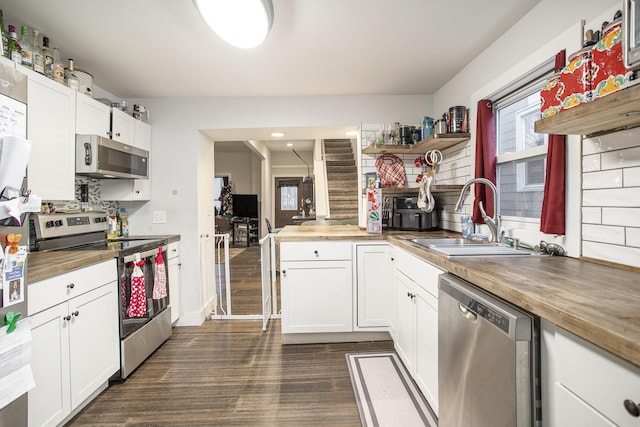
[(87, 154)]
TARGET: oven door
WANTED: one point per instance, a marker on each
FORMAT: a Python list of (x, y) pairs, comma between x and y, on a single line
[(144, 291)]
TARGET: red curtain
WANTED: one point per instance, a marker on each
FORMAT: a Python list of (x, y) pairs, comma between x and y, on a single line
[(552, 217), (485, 159)]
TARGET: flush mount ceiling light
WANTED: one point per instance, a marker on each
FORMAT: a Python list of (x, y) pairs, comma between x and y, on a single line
[(242, 23), (277, 134)]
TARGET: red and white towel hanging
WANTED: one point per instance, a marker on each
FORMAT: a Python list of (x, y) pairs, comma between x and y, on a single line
[(138, 300), (159, 277)]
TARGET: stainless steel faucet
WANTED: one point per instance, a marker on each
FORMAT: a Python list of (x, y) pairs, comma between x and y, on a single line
[(492, 223)]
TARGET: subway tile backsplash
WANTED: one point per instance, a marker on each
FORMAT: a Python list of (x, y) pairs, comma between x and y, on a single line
[(611, 197)]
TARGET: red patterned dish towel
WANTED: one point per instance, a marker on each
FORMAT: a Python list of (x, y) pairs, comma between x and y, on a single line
[(138, 300), (159, 277), (390, 170)]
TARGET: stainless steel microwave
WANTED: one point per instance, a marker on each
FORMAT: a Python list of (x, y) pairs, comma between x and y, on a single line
[(100, 157), (631, 34)]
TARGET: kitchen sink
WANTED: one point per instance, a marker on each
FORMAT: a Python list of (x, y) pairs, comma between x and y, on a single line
[(463, 247)]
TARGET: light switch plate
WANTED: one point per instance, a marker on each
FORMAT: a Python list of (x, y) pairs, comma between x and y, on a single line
[(159, 217)]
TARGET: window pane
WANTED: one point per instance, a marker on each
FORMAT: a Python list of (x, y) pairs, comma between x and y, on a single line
[(521, 187), (289, 198), (515, 125)]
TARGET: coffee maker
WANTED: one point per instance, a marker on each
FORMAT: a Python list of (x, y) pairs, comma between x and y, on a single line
[(407, 215)]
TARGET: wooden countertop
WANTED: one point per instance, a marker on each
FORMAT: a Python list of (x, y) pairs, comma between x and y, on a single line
[(42, 265), (598, 303)]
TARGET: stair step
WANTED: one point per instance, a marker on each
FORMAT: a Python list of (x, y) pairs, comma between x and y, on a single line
[(337, 142), (340, 162), (338, 150), (337, 176), (340, 169)]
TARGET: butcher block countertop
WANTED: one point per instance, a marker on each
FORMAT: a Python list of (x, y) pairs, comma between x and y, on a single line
[(42, 265), (598, 303)]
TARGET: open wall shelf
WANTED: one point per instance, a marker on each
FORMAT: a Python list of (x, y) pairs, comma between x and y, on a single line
[(434, 142)]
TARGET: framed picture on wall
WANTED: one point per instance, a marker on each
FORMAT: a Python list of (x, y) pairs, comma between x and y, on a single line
[(370, 179)]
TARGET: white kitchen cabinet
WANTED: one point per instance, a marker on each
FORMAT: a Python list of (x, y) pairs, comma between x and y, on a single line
[(583, 384), (316, 283), (415, 322), (131, 189), (173, 266), (75, 340), (122, 127), (374, 286), (92, 117), (51, 127)]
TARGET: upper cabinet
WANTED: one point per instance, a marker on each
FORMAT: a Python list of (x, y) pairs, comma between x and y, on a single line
[(611, 112), (122, 127), (92, 117), (51, 127), (433, 142)]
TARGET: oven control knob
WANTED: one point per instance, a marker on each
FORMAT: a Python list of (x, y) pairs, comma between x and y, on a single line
[(48, 224), (58, 223)]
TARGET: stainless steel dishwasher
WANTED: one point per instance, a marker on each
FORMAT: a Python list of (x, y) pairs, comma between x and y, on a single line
[(488, 373)]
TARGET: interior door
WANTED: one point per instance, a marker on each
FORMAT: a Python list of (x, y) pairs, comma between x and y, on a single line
[(287, 203)]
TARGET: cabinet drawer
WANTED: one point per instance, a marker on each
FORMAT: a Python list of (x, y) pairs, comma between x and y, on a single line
[(420, 271), (315, 251), (597, 377), (55, 290), (173, 250)]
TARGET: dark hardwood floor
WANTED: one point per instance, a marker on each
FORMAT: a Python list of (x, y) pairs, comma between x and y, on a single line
[(230, 373)]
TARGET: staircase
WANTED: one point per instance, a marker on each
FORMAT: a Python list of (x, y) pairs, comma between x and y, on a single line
[(342, 179)]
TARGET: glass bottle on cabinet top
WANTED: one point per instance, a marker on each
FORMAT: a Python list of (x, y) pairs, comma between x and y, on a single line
[(70, 78), (58, 68), (47, 56), (15, 54), (36, 54), (27, 49)]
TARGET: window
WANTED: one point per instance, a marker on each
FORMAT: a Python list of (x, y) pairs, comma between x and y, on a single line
[(218, 183), (521, 153), (289, 198)]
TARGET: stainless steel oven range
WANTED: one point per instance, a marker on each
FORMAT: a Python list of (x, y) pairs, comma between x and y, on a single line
[(145, 318)]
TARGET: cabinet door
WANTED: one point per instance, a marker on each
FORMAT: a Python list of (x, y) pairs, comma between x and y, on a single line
[(316, 296), (405, 322), (51, 127), (92, 117), (122, 127), (374, 285), (173, 266), (94, 341), (125, 190), (50, 400), (573, 411), (426, 367), (142, 135)]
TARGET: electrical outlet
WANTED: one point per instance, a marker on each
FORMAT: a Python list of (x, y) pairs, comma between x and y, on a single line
[(159, 217)]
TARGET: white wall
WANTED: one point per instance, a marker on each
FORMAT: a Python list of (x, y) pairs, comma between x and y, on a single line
[(240, 166)]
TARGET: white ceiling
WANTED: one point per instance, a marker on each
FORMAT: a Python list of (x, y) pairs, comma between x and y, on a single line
[(163, 48)]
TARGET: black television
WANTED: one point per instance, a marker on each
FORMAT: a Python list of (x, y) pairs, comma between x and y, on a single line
[(245, 205)]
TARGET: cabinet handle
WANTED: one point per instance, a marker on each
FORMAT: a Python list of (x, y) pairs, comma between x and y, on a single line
[(409, 294), (315, 252), (393, 259), (67, 318), (75, 313), (632, 408), (284, 271), (118, 134), (71, 286)]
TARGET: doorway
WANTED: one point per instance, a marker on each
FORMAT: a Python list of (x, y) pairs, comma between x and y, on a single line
[(287, 200)]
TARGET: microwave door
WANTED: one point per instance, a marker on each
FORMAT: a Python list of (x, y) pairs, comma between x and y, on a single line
[(631, 31)]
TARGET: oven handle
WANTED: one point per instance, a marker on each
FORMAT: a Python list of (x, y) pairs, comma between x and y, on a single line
[(145, 254)]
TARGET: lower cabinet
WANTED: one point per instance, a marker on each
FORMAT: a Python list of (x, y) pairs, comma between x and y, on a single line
[(75, 342), (415, 322), (584, 385), (374, 286), (173, 270), (316, 287)]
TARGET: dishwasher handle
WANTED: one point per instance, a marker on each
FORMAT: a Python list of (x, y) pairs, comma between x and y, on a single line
[(466, 313)]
